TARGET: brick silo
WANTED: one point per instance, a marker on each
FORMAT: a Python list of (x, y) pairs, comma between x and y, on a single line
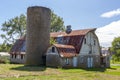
[(38, 34)]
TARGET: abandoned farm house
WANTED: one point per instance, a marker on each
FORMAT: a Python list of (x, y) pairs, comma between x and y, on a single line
[(80, 48)]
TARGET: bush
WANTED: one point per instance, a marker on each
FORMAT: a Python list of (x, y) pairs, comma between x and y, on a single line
[(4, 59)]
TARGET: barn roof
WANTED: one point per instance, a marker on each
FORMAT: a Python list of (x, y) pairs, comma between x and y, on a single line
[(73, 33), (75, 41), (66, 50), (16, 48)]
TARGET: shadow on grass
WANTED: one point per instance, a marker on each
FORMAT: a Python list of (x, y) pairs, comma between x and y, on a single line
[(92, 69), (95, 69), (29, 68)]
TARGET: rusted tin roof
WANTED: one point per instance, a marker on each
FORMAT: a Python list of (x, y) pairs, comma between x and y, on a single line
[(70, 46), (66, 50), (73, 33)]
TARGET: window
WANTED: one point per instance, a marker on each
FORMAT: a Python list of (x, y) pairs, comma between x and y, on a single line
[(18, 56), (53, 49), (90, 52), (97, 58), (60, 40), (108, 59), (94, 42), (15, 55), (12, 55), (22, 56), (85, 41), (67, 61), (81, 59)]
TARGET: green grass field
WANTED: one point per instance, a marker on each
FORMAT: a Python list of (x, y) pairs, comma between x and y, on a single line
[(21, 72)]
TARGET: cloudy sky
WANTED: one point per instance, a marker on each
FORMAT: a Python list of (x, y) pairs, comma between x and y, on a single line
[(101, 14)]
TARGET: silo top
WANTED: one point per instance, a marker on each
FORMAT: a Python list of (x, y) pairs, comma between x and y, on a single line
[(38, 7)]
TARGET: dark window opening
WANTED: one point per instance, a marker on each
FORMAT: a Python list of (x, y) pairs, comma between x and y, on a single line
[(85, 41), (12, 55), (67, 61), (15, 55), (60, 40), (22, 56), (53, 49), (90, 52), (94, 42)]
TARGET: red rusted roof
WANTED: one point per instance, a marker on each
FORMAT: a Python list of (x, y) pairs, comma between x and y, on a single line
[(73, 33), (66, 50), (71, 42)]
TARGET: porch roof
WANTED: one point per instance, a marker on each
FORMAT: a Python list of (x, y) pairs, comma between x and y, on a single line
[(66, 50)]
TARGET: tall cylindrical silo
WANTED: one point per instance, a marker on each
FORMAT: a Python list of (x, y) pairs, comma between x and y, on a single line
[(38, 34)]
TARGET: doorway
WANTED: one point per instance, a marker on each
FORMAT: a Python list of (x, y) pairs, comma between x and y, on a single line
[(74, 61), (90, 62)]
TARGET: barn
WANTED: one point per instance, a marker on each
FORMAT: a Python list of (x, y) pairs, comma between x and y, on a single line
[(17, 52), (80, 48)]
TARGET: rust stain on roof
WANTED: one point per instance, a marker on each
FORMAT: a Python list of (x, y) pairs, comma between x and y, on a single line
[(66, 50), (73, 33), (71, 42)]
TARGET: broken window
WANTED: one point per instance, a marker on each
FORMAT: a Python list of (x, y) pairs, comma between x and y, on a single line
[(60, 40)]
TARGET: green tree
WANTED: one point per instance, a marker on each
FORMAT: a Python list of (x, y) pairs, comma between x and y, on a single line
[(116, 49), (16, 27), (57, 23), (52, 41), (5, 47)]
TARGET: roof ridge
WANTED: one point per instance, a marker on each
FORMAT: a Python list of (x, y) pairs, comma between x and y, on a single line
[(73, 33)]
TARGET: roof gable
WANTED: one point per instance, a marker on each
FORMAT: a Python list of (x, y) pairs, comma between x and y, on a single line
[(17, 46)]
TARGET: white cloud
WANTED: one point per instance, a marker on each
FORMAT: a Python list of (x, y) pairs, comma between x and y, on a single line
[(107, 33), (111, 13)]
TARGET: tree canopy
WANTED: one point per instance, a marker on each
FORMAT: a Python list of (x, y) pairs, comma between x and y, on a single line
[(16, 27), (57, 23), (116, 48)]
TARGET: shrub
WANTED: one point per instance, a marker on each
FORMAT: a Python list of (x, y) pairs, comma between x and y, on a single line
[(4, 59)]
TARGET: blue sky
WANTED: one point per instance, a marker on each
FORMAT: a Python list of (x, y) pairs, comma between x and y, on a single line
[(77, 13)]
